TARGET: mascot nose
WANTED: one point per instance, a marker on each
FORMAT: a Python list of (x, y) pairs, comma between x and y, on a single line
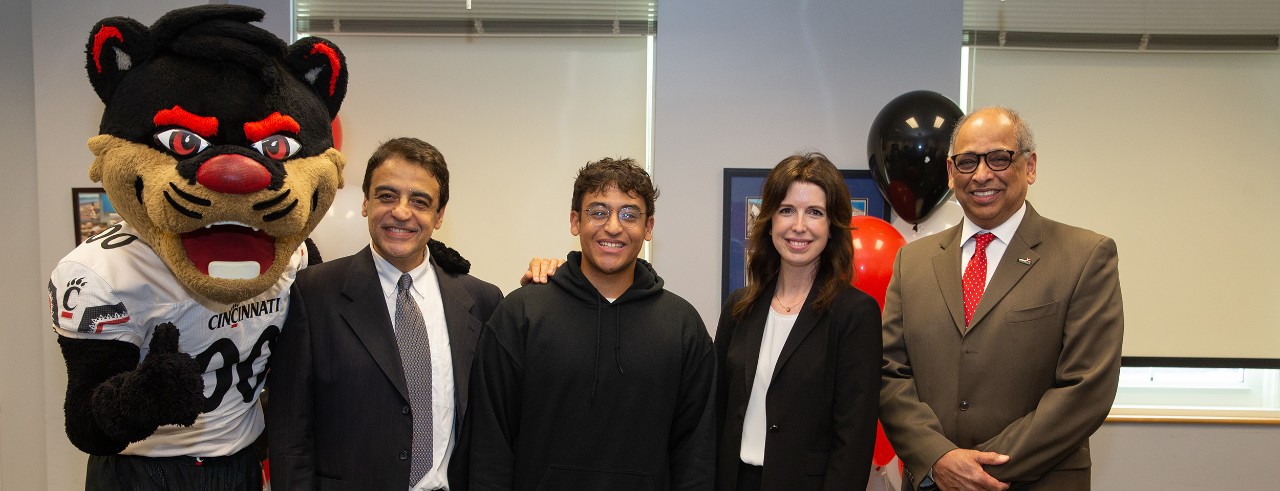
[(233, 174)]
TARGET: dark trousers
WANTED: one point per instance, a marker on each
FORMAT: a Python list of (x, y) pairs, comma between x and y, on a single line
[(240, 471), (749, 477)]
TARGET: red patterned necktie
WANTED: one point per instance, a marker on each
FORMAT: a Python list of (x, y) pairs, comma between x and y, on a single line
[(975, 275)]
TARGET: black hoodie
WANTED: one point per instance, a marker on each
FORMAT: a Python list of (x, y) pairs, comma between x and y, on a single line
[(573, 392)]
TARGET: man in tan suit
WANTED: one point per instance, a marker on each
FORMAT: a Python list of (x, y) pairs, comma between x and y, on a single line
[(1003, 393)]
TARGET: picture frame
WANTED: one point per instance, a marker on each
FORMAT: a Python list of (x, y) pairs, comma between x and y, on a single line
[(742, 194), (91, 212)]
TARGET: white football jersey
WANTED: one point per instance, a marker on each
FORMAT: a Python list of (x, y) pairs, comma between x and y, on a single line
[(114, 286)]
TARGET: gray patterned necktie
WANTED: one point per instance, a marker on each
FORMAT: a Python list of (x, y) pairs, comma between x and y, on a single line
[(415, 357)]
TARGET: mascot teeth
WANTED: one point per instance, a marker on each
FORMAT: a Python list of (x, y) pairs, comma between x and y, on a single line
[(235, 270)]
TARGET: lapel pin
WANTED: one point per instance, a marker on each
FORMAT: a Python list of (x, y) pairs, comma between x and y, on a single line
[(1025, 260)]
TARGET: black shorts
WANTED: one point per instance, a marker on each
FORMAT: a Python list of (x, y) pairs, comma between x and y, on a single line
[(240, 471)]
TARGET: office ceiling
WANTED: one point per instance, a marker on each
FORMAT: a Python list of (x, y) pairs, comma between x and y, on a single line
[(478, 17), (1125, 16), (1127, 25), (1249, 23)]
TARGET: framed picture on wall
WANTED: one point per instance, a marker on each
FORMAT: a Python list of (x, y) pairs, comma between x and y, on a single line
[(92, 212), (742, 196)]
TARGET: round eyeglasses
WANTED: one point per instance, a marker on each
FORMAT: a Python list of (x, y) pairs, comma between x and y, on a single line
[(628, 216)]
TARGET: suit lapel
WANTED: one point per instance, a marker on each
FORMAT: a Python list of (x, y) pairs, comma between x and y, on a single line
[(751, 333), (1018, 259), (805, 322), (464, 331), (367, 316), (946, 268)]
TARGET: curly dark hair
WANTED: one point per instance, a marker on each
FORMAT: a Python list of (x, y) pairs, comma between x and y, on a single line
[(625, 174)]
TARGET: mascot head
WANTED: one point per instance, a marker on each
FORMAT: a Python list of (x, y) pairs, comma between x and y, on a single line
[(215, 143)]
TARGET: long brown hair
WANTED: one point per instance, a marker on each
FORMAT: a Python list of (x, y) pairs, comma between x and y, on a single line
[(835, 266)]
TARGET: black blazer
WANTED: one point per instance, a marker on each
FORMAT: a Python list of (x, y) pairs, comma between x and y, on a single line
[(822, 402), (338, 415)]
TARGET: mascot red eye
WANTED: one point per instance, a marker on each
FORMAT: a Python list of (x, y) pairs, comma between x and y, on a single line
[(277, 147), (181, 142)]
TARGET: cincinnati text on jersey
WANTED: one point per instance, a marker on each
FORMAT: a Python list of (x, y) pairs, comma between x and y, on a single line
[(241, 312)]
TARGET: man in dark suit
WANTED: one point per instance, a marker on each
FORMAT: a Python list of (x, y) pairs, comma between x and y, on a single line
[(357, 400), (995, 378)]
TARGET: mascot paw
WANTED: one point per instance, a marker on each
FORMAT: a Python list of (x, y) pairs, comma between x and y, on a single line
[(166, 388), (174, 376)]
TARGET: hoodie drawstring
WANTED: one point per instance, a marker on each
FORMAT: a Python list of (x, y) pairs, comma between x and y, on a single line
[(595, 368), (617, 347)]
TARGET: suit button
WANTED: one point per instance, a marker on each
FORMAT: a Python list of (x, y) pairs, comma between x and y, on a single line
[(404, 455), (964, 405), (773, 428), (404, 410)]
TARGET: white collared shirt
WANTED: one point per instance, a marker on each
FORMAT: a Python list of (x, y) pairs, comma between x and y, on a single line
[(995, 250), (426, 292)]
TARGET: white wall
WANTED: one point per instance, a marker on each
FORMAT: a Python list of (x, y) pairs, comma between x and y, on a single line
[(22, 432), (1173, 156), (515, 118), (745, 84), (1151, 456)]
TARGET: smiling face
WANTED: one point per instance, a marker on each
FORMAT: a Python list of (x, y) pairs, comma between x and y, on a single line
[(800, 226), (991, 197), (610, 249), (403, 208)]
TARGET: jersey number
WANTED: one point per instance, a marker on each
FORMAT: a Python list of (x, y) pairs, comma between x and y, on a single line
[(232, 367), (112, 237)]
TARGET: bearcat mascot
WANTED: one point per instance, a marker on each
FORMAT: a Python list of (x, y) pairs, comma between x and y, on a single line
[(216, 148)]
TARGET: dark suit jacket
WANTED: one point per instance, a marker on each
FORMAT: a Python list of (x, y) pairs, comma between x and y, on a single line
[(823, 399), (1034, 375), (338, 415)]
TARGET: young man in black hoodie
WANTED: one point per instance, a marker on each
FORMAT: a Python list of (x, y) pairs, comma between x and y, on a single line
[(599, 379)]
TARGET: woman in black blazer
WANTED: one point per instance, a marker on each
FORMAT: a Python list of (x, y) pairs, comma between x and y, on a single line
[(798, 347)]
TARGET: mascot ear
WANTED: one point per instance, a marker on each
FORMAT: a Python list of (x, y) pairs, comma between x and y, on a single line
[(320, 64), (116, 44)]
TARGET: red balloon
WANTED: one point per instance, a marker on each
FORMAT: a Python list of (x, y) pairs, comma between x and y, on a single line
[(875, 245), (884, 451), (337, 133)]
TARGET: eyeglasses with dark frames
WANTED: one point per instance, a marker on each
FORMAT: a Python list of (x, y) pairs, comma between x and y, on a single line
[(628, 216), (997, 160)]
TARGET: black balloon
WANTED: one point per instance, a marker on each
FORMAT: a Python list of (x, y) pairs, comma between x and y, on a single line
[(907, 149)]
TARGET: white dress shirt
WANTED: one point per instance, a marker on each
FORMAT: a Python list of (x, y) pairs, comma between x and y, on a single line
[(426, 292)]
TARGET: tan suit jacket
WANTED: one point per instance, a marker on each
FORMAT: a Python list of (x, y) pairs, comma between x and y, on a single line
[(1033, 376)]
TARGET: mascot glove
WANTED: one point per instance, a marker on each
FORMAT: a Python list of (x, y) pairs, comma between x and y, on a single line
[(166, 388)]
